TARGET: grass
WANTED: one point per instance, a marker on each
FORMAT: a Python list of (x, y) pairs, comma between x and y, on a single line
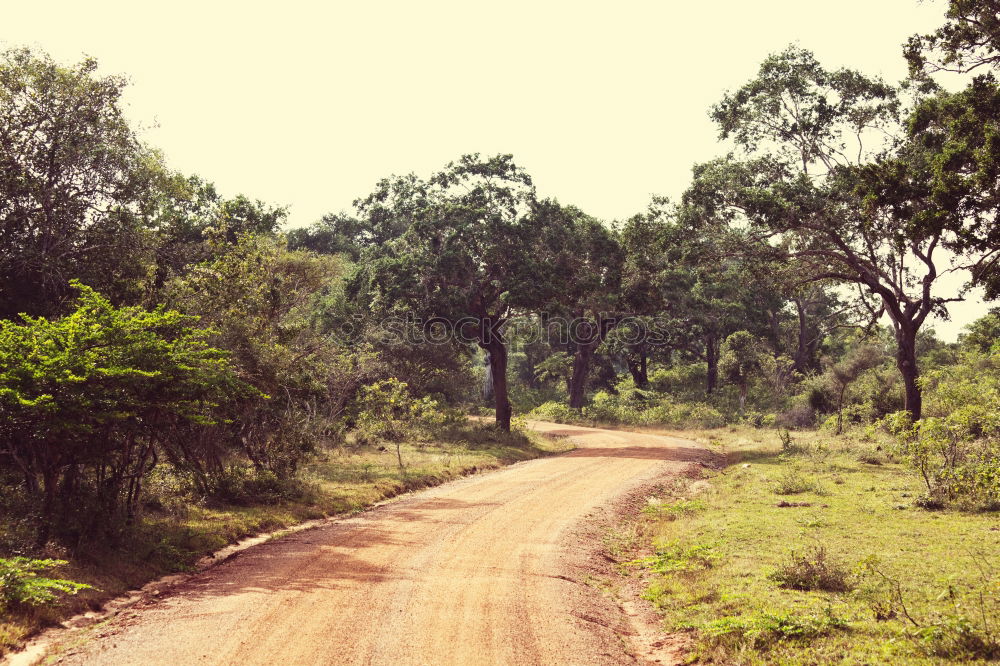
[(172, 537), (850, 572)]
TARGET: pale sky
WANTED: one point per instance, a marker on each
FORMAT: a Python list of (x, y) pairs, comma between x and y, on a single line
[(308, 104)]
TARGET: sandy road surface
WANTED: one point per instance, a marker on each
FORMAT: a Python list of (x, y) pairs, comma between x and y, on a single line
[(473, 572)]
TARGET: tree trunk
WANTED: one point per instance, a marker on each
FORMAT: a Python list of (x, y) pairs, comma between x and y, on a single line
[(498, 371), (638, 370), (50, 478), (906, 361), (803, 355), (743, 397), (578, 383), (712, 357), (840, 409)]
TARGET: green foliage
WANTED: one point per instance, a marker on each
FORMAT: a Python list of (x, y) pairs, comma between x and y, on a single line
[(983, 334), (956, 449), (95, 396), (75, 185), (794, 482), (20, 583), (680, 558), (607, 409), (762, 631), (387, 412)]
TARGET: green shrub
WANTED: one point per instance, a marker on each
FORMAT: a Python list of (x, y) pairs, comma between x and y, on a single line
[(681, 382), (761, 631), (20, 583), (557, 412), (794, 482), (676, 557)]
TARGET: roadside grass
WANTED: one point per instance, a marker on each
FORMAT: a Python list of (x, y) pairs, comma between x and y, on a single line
[(177, 530), (812, 551)]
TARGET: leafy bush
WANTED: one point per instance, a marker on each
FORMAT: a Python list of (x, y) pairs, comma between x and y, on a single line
[(681, 382), (387, 412), (680, 558), (956, 447), (762, 630), (813, 570), (557, 412), (794, 482), (89, 401), (21, 584)]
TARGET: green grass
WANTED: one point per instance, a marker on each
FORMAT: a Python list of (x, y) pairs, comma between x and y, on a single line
[(180, 531), (727, 570)]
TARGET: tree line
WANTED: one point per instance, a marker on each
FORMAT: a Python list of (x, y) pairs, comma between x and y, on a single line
[(148, 321)]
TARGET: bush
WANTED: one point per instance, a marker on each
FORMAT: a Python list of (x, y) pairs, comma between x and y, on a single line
[(20, 583), (88, 402), (957, 456), (681, 382), (813, 570), (793, 482), (797, 417), (760, 631), (247, 485), (557, 412)]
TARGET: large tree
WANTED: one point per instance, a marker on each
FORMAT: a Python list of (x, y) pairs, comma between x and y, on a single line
[(968, 40), (74, 185), (467, 257), (812, 190), (587, 260)]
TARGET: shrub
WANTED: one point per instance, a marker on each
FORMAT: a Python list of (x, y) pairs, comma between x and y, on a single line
[(387, 412), (20, 583), (797, 417), (760, 631), (682, 382), (793, 482), (557, 412), (89, 401), (957, 456), (813, 570), (246, 485), (676, 557)]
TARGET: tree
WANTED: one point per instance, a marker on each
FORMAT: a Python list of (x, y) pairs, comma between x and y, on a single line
[(983, 333), (742, 358), (334, 234), (846, 217), (193, 223), (88, 402), (257, 298), (588, 261), (969, 39), (467, 258), (75, 185), (846, 371)]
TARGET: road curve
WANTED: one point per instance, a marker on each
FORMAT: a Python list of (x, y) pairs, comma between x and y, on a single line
[(472, 572)]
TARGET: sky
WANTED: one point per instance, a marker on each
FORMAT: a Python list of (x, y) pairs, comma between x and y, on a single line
[(309, 104)]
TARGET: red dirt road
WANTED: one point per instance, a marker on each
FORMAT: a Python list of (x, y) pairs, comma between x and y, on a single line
[(478, 571)]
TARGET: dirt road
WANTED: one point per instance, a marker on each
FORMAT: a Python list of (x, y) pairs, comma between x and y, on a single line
[(478, 571)]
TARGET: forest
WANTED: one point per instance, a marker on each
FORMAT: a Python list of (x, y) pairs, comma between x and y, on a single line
[(165, 345)]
